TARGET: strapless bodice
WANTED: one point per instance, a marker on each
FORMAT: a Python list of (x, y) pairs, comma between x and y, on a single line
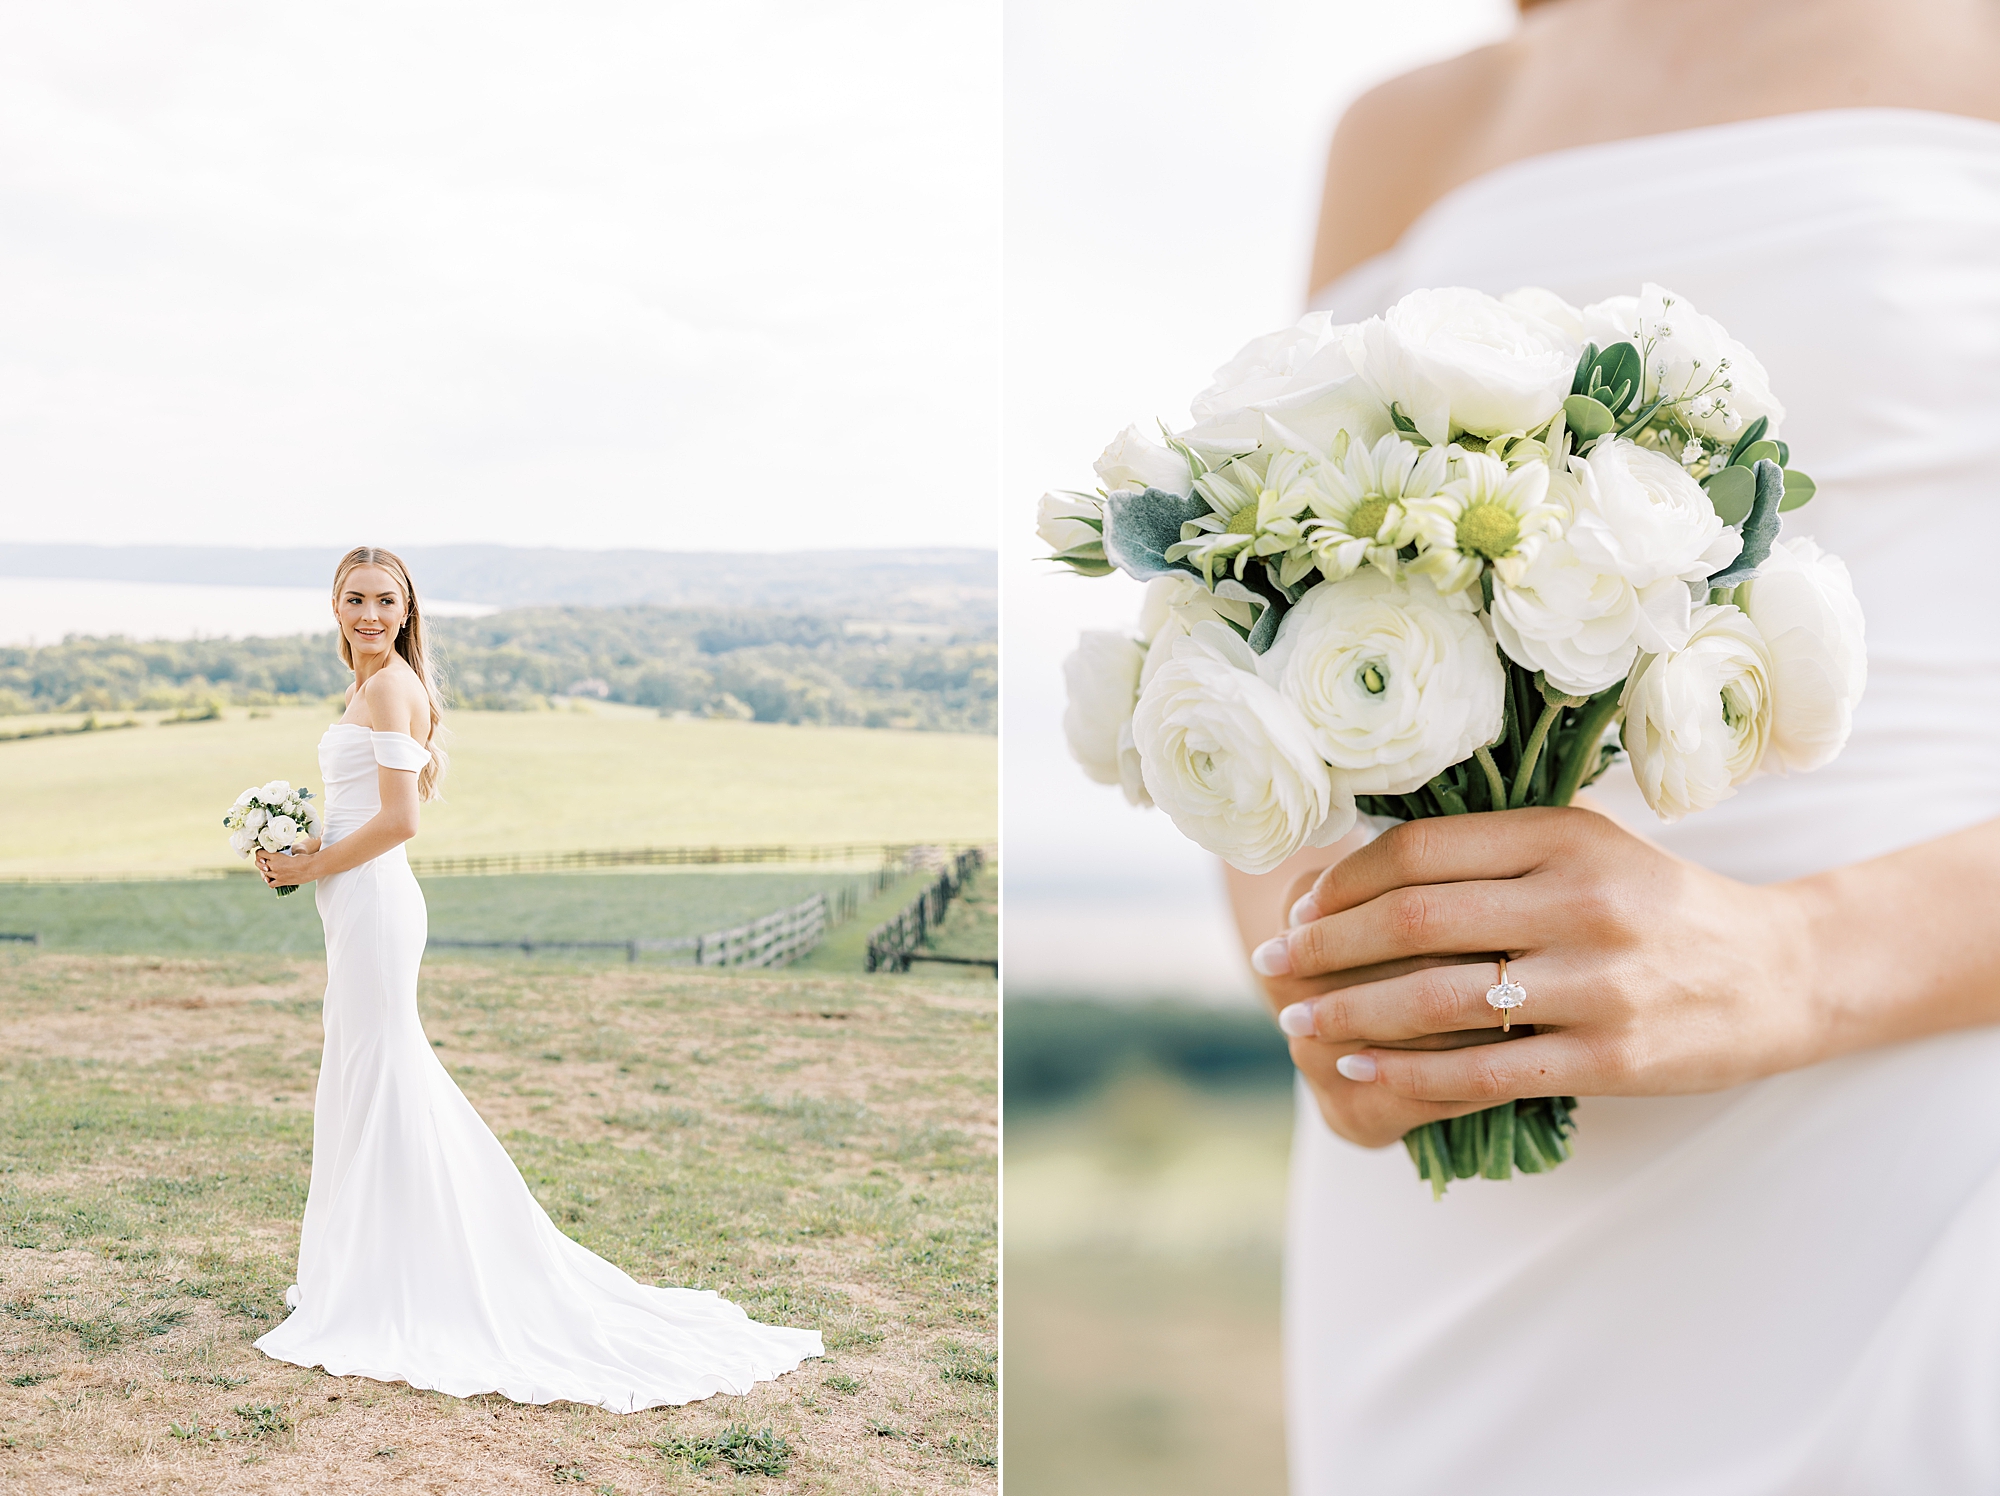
[(349, 754), (1854, 252)]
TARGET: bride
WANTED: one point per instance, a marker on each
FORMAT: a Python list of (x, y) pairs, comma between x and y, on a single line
[(1773, 1265), (423, 1257)]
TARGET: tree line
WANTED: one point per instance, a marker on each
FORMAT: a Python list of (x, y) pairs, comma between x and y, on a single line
[(770, 667)]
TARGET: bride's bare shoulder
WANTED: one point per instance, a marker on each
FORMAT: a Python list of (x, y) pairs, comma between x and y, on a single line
[(397, 701), (1398, 148)]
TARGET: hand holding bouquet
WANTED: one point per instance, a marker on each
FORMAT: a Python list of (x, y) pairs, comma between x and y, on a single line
[(274, 818), (1427, 564)]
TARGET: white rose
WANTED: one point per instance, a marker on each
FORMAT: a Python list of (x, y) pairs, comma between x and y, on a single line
[(1803, 603), (1396, 682), (1718, 384), (1550, 308), (1457, 360), (1174, 604), (1230, 759), (1293, 389), (274, 793), (255, 817), (1697, 721), (1638, 513), (1133, 462), (1059, 521), (1103, 680)]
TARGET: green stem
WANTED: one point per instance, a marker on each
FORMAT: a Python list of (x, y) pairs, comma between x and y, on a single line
[(1526, 773), (1495, 785), (1449, 798), (1583, 745)]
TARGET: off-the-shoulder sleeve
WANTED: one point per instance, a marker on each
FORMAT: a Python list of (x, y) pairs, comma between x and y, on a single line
[(398, 750)]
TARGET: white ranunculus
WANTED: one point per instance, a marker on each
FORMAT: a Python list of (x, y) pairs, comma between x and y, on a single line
[(247, 796), (1103, 680), (241, 840), (1717, 384), (1293, 389), (275, 792), (1059, 521), (1638, 513), (1697, 721), (1132, 462), (1230, 759), (1396, 683), (255, 817), (1456, 361), (1803, 603), (281, 833)]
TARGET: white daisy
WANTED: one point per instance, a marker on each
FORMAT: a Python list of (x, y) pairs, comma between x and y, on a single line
[(1362, 516), (1490, 515)]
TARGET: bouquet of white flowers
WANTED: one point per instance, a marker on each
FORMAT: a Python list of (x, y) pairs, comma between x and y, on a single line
[(1447, 560), (273, 818)]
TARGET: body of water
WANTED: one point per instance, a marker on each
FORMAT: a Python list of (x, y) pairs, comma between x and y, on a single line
[(46, 610)]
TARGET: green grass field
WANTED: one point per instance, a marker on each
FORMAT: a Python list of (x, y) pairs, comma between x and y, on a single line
[(150, 799), (819, 1149), (240, 914)]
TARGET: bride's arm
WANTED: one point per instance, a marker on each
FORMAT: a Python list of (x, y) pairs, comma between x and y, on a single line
[(1645, 974)]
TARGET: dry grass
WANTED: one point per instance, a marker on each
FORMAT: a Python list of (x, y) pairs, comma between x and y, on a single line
[(818, 1148)]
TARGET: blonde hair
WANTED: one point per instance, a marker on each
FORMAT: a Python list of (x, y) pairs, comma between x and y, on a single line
[(410, 645)]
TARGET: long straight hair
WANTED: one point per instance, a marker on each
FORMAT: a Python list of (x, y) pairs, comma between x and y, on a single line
[(409, 644)]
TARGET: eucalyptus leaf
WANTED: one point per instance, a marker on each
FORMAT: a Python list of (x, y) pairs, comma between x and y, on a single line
[(1784, 454), (1587, 418), (1751, 433), (1615, 368), (1799, 490), (1755, 453), (1580, 382), (1759, 530), (1139, 527), (1732, 491)]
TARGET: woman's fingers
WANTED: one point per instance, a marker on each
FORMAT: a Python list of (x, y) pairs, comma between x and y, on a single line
[(1370, 1115), (1483, 1075), (1444, 849), (1440, 997), (1440, 919)]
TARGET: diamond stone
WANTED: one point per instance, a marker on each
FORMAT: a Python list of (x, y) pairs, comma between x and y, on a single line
[(1508, 994)]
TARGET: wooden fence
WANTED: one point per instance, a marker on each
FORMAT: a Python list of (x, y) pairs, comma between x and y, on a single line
[(890, 854), (897, 942)]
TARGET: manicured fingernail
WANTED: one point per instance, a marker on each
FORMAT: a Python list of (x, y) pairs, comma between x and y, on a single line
[(1304, 912), (1297, 1021), (1355, 1066), (1272, 959)]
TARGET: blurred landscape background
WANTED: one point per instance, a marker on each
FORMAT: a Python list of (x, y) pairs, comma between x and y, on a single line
[(1148, 1096)]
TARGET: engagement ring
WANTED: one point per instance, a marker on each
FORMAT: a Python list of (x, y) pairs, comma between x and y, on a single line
[(1506, 995)]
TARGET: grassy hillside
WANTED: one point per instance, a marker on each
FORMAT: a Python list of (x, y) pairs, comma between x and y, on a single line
[(150, 798)]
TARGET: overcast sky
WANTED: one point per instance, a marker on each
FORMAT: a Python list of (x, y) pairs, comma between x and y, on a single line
[(598, 273), (1164, 160)]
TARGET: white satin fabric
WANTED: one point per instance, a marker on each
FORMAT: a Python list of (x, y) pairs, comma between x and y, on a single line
[(1792, 1287), (423, 1257)]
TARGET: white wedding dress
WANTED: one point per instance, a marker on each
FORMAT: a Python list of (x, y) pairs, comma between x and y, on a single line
[(424, 1258), (1792, 1287)]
